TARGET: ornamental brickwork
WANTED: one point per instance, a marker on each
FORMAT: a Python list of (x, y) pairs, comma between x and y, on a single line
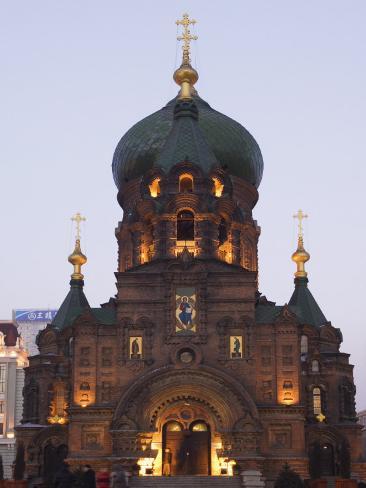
[(189, 358)]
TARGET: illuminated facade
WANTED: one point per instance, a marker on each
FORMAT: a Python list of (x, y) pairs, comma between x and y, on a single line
[(13, 358), (189, 365)]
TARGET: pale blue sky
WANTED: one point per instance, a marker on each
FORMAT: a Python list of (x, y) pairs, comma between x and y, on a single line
[(76, 74)]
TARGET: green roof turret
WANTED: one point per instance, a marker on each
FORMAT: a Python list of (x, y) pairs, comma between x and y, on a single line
[(302, 297), (75, 302)]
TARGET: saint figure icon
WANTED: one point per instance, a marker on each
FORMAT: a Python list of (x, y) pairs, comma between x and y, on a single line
[(185, 315), (135, 349), (235, 347)]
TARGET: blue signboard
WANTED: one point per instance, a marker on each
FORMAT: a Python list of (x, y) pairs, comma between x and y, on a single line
[(34, 315)]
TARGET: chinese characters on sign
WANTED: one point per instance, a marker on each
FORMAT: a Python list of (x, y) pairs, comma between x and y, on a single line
[(34, 315)]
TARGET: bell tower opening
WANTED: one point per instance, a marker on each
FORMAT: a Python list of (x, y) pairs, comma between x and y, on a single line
[(185, 183), (185, 226), (185, 232), (154, 188), (218, 187)]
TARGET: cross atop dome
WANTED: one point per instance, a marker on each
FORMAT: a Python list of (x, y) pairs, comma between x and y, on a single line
[(186, 36), (300, 215), (77, 258), (300, 256), (77, 218), (185, 75)]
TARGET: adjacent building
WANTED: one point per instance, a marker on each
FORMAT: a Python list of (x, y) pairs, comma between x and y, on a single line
[(13, 358), (29, 322), (362, 420)]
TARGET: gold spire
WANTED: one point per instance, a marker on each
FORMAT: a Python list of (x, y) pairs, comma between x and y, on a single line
[(300, 256), (77, 258), (186, 76)]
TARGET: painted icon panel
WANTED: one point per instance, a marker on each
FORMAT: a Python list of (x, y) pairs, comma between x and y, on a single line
[(236, 347), (185, 310), (135, 347)]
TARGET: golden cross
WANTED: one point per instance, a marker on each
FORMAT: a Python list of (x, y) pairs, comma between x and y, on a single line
[(320, 417), (186, 36), (78, 218), (300, 216)]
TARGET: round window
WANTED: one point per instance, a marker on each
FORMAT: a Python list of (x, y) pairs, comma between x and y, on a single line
[(186, 356), (186, 414)]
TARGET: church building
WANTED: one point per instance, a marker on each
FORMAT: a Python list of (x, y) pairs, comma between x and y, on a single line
[(189, 369)]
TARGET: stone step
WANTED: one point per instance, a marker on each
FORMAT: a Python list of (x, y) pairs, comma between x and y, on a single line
[(185, 481)]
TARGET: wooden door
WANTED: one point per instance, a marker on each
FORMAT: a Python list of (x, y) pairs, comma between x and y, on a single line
[(190, 449), (174, 441), (200, 453)]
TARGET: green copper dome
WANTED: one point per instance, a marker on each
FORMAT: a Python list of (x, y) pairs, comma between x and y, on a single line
[(233, 146)]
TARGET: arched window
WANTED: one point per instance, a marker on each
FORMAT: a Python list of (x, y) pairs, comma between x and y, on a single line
[(222, 232), (185, 183), (304, 345), (218, 187), (155, 187), (317, 400), (199, 426), (31, 402), (315, 366), (70, 347), (84, 386), (185, 226), (173, 426)]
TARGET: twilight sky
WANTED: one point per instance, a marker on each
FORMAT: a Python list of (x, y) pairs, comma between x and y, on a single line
[(76, 74)]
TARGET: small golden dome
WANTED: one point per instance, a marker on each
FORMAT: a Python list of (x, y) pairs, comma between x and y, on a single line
[(185, 73), (185, 77), (77, 259), (300, 257)]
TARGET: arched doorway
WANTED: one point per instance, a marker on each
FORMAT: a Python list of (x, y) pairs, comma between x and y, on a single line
[(53, 457), (187, 450), (322, 461), (327, 460), (186, 394), (200, 447)]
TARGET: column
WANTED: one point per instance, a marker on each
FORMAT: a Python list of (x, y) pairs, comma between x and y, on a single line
[(235, 243)]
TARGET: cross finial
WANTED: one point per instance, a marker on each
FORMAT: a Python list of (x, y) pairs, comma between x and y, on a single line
[(300, 216), (320, 417), (78, 218), (300, 256), (186, 36)]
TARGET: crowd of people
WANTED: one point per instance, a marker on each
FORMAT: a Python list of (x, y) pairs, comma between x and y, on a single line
[(65, 478)]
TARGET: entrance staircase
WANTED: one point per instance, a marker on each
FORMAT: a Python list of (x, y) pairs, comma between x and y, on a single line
[(185, 482)]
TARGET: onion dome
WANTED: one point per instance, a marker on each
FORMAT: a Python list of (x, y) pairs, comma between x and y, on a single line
[(234, 147), (225, 142)]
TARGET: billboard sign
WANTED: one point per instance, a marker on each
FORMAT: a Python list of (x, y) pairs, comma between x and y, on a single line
[(33, 315)]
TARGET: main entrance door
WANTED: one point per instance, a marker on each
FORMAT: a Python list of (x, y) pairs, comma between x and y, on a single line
[(186, 451)]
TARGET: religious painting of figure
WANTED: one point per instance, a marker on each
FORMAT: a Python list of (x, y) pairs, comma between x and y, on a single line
[(135, 347), (185, 311), (236, 347)]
